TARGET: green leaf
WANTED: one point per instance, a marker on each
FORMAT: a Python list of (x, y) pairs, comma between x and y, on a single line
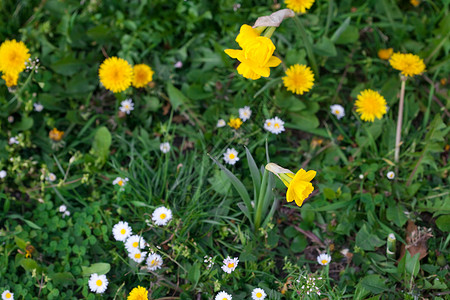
[(101, 144), (68, 65), (395, 213), (29, 223), (25, 124), (325, 47), (443, 223), (29, 264), (299, 244), (20, 243), (374, 283), (99, 268), (348, 36), (412, 264), (177, 98), (256, 175), (62, 278), (366, 240), (194, 274), (329, 193)]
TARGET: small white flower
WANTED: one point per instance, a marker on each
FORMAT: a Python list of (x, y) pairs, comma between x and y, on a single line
[(10, 119), (278, 126), (230, 264), (135, 242), (161, 216), (268, 125), (230, 156), (324, 259), (121, 231), (258, 294), (338, 111), (164, 147), (38, 107), (361, 176), (223, 296), (98, 283), (2, 174), (390, 175), (66, 214), (137, 255), (7, 295), (51, 177), (178, 64), (245, 113), (221, 123), (126, 106), (120, 181), (62, 208), (13, 140), (154, 262)]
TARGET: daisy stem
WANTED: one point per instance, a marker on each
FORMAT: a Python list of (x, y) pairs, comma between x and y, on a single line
[(398, 135), (308, 46)]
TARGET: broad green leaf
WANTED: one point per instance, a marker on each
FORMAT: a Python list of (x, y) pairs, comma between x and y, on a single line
[(348, 36), (374, 283), (367, 240), (28, 264), (412, 264), (99, 268), (194, 273), (177, 98), (396, 214), (256, 176), (101, 144), (443, 223), (25, 124)]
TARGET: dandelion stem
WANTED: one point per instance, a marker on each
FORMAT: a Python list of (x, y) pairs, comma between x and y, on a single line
[(398, 135)]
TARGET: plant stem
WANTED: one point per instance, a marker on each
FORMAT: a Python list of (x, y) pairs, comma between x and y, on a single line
[(269, 32), (259, 204), (398, 135), (308, 46)]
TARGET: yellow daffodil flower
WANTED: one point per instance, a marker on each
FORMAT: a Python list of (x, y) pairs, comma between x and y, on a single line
[(299, 185)]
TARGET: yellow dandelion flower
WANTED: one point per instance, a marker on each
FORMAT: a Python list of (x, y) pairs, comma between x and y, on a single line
[(385, 53), (415, 3), (115, 74), (299, 185), (138, 293), (143, 74), (10, 79), (299, 5), (13, 56), (370, 104), (409, 64), (55, 135), (299, 79), (235, 123)]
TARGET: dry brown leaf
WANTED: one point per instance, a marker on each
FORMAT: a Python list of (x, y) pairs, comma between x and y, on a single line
[(416, 240)]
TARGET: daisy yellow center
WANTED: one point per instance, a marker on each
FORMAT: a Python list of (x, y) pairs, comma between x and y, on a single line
[(135, 244), (230, 265), (276, 125), (153, 262), (126, 106), (163, 216), (123, 231), (324, 261), (336, 111), (137, 255), (120, 182), (99, 282), (258, 294), (224, 299), (232, 156), (269, 123), (8, 295)]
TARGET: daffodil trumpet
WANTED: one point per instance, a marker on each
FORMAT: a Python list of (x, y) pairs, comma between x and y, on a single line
[(298, 184)]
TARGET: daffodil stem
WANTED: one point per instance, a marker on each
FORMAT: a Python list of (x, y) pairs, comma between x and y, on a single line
[(259, 204), (269, 32), (309, 51), (398, 135)]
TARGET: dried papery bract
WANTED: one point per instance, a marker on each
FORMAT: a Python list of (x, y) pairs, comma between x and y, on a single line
[(275, 19)]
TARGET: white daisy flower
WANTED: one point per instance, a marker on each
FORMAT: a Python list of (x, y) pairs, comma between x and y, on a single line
[(7, 295), (268, 125), (278, 126), (245, 113), (126, 106), (13, 140), (258, 294), (230, 156), (62, 208), (390, 175), (121, 231), (137, 255), (324, 259), (38, 107), (120, 181), (154, 262), (221, 123), (51, 177), (161, 216), (164, 147), (223, 296), (230, 264), (337, 110), (98, 283), (135, 242), (361, 176), (66, 214), (2, 174)]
